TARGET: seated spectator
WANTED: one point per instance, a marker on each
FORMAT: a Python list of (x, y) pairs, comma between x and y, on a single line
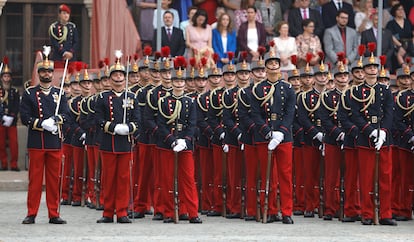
[(363, 18), (224, 39), (198, 34), (240, 15), (285, 46), (308, 42), (251, 35), (219, 12), (271, 15), (297, 15), (170, 36), (165, 5), (183, 25)]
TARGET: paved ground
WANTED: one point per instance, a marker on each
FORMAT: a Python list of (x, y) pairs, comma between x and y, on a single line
[(82, 227)]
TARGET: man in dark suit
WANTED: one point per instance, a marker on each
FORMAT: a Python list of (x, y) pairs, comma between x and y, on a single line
[(330, 9), (170, 36), (297, 15), (370, 35)]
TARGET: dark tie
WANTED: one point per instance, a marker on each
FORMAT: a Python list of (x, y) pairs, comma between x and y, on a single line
[(343, 35), (339, 5), (305, 16), (169, 33)]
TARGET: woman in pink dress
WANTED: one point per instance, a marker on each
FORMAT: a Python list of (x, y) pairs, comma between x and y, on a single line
[(198, 33)]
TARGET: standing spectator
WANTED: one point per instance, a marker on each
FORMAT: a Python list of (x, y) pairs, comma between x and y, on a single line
[(251, 35), (224, 39), (297, 15), (355, 4), (199, 33), (286, 47), (210, 7), (401, 30), (240, 15), (170, 36), (183, 25), (231, 6), (219, 12), (165, 5), (340, 38), (271, 15), (308, 42), (146, 12), (10, 100), (64, 36), (363, 18), (330, 9), (387, 12)]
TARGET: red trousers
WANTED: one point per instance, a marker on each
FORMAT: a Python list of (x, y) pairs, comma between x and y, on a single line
[(252, 166), (68, 153), (366, 178), (311, 160), (281, 173), (207, 177), (92, 152), (78, 163), (407, 168), (158, 201), (397, 181), (187, 190), (234, 169), (145, 178), (116, 182), (298, 180), (352, 205), (10, 134), (333, 156), (217, 178), (50, 162)]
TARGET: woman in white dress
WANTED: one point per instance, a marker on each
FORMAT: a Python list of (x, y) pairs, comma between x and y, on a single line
[(286, 46)]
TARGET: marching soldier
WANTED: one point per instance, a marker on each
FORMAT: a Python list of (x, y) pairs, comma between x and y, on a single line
[(64, 36), (273, 111), (176, 121), (10, 100), (372, 112), (38, 112), (117, 115)]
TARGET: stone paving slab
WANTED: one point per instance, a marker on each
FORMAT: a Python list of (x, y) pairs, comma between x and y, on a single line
[(82, 227), (13, 181)]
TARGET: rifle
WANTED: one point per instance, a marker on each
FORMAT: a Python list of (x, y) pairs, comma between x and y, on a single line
[(176, 187), (243, 186), (84, 180), (224, 182), (199, 184), (266, 201), (258, 191), (321, 183), (376, 183), (131, 184), (342, 185), (98, 182), (62, 173), (294, 180), (71, 181)]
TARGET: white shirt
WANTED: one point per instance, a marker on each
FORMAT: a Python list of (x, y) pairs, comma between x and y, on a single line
[(286, 48), (302, 10), (224, 43), (252, 39)]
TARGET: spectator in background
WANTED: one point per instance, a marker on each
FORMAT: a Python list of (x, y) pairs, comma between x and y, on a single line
[(386, 17), (271, 15), (241, 14), (285, 5), (182, 8), (210, 7), (146, 12), (363, 18), (219, 12), (190, 13), (355, 4), (330, 9), (165, 5), (297, 15), (224, 39), (285, 46), (308, 42), (340, 38), (371, 34), (401, 30), (251, 35), (198, 34), (170, 36), (231, 6)]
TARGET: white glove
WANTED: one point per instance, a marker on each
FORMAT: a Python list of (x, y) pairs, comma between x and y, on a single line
[(341, 136), (411, 140), (322, 149), (83, 136), (318, 136), (222, 135), (239, 136), (277, 135), (7, 120), (49, 125), (273, 144), (242, 147), (121, 129), (225, 148), (180, 145), (379, 144), (374, 134)]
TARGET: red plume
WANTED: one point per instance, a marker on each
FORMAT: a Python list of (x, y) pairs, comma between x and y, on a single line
[(101, 64), (136, 56), (272, 43), (70, 69), (175, 61), (261, 50), (230, 55), (192, 61), (408, 60), (106, 61), (243, 55), (321, 55), (85, 66), (361, 50), (165, 51), (181, 61), (203, 61), (157, 55), (215, 57), (341, 56), (147, 50), (372, 46), (329, 65), (309, 57), (383, 59), (78, 66), (294, 59), (5, 60)]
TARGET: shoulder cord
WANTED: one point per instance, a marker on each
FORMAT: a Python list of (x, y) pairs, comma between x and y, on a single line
[(176, 113), (59, 39)]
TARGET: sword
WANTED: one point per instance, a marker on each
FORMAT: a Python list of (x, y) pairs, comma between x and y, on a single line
[(266, 201), (224, 182), (342, 184), (176, 187), (61, 180), (258, 191), (321, 183), (84, 180), (243, 185), (376, 183)]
